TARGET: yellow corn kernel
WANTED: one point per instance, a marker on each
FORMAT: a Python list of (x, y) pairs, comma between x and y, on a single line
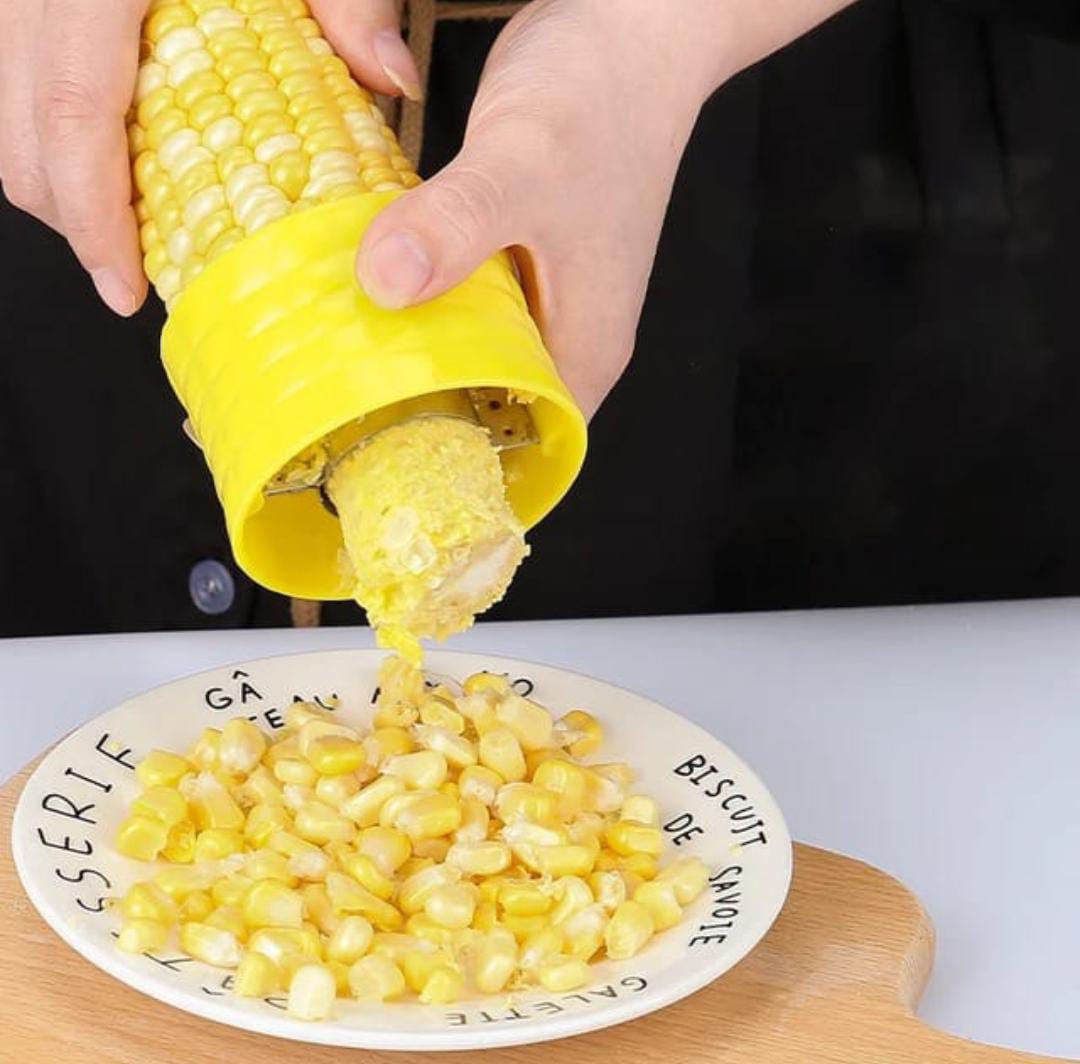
[(583, 933), (481, 783), (658, 896), (140, 935), (413, 865), (609, 887), (232, 890), (389, 742), (530, 723), (336, 790), (524, 898), (630, 927), (166, 804), (211, 945), (242, 744), (368, 874), (639, 866), (296, 795), (641, 810), (364, 807), (494, 961), (321, 823), (689, 877), (501, 752), (295, 770), (430, 817), (265, 821), (573, 859), (456, 749), (414, 891), (525, 801), (444, 985), (376, 978), (196, 907), (256, 976), (147, 901), (215, 843), (348, 897), (270, 903), (418, 966), (141, 837), (395, 715), (475, 821), (478, 709), (485, 858), (268, 864), (560, 974), (539, 947), (350, 940), (204, 752), (580, 732), (424, 770), (180, 881), (260, 788), (602, 794), (523, 927), (228, 918), (572, 894), (564, 779), (162, 769), (486, 917), (332, 755), (318, 908), (421, 926), (312, 992), (435, 849), (489, 682), (437, 711), (587, 828), (451, 906), (281, 943), (626, 838), (211, 804), (387, 847)]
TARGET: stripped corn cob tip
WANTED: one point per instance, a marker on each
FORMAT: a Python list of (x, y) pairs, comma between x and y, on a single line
[(431, 540), (422, 858), (242, 115)]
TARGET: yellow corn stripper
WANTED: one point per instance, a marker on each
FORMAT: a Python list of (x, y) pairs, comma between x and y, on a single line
[(258, 165)]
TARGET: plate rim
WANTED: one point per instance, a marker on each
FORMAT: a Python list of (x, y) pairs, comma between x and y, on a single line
[(449, 1040)]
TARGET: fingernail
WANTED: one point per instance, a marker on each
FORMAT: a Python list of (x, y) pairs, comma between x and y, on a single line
[(114, 291), (396, 270), (397, 62)]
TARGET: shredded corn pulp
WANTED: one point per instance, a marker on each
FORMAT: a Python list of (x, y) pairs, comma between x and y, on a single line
[(467, 844), (431, 540)]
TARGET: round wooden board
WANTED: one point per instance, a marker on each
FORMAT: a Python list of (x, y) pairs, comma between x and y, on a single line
[(835, 980)]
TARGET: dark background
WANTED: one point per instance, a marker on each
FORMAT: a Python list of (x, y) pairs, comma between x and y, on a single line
[(857, 379)]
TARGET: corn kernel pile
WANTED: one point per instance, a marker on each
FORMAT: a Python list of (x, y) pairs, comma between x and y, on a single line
[(463, 846)]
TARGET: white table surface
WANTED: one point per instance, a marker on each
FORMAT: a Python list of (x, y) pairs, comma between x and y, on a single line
[(941, 744)]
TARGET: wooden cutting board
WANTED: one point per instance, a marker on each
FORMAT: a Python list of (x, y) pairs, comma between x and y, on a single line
[(834, 982)]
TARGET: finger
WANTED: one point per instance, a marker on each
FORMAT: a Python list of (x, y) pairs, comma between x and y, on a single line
[(367, 35), (21, 173), (87, 65), (436, 235)]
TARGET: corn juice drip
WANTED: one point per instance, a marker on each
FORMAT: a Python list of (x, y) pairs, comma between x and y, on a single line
[(430, 539)]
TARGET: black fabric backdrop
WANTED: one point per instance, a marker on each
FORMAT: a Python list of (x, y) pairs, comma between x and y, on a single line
[(857, 378)]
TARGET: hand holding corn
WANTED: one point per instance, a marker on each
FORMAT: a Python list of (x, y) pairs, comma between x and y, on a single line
[(466, 845)]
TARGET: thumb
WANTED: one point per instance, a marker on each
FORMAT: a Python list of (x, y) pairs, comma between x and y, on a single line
[(436, 235)]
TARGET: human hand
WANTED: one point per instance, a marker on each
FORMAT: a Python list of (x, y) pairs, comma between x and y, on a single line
[(67, 75), (572, 146)]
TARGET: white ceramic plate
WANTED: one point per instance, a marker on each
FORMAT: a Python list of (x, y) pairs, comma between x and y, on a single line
[(713, 807)]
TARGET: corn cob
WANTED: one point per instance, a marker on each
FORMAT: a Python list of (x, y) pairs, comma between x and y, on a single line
[(243, 115), (400, 900)]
